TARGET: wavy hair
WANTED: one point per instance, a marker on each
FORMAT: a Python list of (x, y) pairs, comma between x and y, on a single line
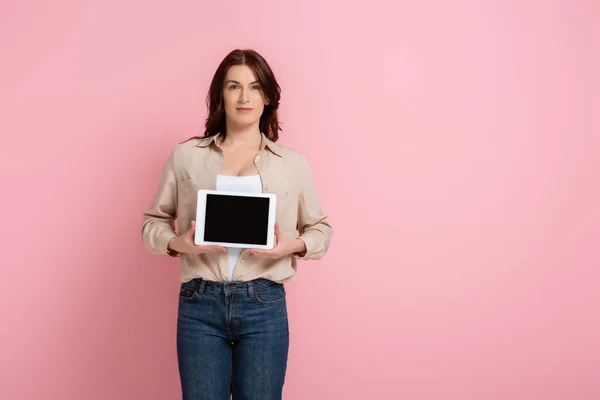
[(269, 122)]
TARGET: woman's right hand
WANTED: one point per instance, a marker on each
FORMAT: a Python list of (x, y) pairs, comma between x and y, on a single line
[(185, 244)]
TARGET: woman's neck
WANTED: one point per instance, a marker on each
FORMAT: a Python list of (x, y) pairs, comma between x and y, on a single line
[(249, 136)]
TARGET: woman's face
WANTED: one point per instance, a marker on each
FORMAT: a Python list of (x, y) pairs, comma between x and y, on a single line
[(243, 96)]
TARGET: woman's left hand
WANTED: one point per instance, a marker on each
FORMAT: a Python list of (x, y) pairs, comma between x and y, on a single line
[(284, 245)]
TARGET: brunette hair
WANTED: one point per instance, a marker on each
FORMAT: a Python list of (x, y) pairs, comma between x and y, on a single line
[(269, 122)]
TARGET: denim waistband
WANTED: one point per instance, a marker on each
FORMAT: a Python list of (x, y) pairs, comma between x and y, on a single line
[(202, 285)]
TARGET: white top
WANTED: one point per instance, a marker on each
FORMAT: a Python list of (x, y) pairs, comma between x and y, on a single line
[(230, 183)]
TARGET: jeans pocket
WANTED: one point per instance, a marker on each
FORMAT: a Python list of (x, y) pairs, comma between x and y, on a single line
[(270, 295), (187, 292)]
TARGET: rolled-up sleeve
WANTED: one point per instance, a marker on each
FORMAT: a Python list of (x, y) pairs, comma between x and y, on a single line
[(158, 222), (314, 227)]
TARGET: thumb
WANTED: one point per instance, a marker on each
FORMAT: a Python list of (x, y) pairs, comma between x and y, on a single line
[(192, 229), (277, 231)]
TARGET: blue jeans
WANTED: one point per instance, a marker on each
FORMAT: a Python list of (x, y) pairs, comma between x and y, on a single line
[(232, 338)]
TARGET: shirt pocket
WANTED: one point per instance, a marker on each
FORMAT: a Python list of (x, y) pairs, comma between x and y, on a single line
[(287, 207)]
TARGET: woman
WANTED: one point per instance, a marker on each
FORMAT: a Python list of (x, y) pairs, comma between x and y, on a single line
[(232, 326)]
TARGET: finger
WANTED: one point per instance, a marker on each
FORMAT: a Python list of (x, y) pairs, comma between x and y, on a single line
[(209, 249), (214, 248), (263, 253), (277, 231), (267, 251), (217, 248), (191, 231), (272, 256)]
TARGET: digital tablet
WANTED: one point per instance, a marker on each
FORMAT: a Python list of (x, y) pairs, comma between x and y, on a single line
[(235, 219)]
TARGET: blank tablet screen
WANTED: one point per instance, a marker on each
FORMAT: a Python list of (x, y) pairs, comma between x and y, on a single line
[(236, 219)]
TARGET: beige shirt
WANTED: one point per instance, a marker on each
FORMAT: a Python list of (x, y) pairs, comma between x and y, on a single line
[(194, 165)]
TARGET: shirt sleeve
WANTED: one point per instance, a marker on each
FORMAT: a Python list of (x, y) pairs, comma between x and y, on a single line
[(314, 227), (158, 221)]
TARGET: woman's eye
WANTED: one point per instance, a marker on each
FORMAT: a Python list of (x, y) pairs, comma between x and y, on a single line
[(256, 87), (233, 87)]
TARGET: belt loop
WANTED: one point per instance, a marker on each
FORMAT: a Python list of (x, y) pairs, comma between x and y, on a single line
[(250, 289), (202, 286)]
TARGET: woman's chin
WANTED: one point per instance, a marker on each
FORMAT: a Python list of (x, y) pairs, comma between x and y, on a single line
[(243, 122)]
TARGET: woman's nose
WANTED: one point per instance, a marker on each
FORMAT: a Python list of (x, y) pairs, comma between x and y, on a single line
[(243, 96)]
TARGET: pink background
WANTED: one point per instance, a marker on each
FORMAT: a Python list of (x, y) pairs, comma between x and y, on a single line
[(455, 146)]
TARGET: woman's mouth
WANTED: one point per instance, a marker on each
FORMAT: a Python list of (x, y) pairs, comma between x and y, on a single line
[(244, 109)]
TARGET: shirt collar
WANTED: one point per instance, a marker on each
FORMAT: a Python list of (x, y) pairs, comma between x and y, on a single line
[(265, 142)]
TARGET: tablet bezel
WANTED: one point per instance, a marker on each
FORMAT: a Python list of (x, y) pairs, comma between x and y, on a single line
[(201, 213)]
